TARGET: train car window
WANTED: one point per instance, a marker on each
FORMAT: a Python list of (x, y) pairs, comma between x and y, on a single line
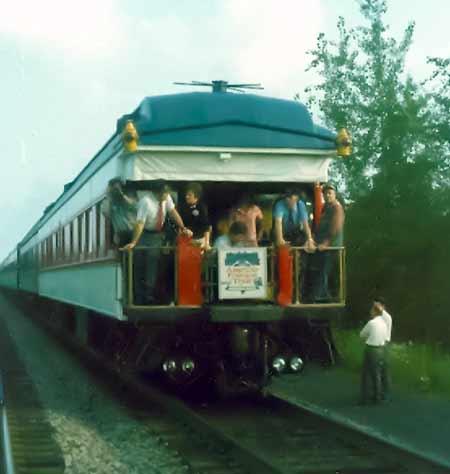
[(101, 234), (54, 243), (62, 244), (67, 241), (109, 234), (49, 250), (87, 233), (71, 236), (83, 238), (75, 241), (54, 247), (42, 246), (92, 231), (80, 236)]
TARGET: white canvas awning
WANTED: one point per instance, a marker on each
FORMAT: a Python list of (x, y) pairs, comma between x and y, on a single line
[(237, 165)]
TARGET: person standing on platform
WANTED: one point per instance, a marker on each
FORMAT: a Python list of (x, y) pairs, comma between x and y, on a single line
[(380, 306), (152, 208), (120, 208), (195, 215), (374, 334), (329, 234), (252, 216), (291, 221), (291, 225)]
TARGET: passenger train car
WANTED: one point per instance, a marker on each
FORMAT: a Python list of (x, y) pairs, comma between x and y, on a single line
[(231, 317)]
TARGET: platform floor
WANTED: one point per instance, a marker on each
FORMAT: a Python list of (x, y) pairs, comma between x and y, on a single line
[(416, 422)]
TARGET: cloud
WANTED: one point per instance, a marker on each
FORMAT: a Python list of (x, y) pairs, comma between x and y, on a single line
[(253, 40), (83, 28), (271, 40), (246, 41), (75, 67)]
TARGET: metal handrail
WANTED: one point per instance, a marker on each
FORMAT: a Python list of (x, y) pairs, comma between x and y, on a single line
[(342, 280), (127, 262), (210, 272), (8, 462)]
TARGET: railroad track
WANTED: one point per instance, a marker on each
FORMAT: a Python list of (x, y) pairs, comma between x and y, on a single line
[(27, 442), (268, 436), (265, 435)]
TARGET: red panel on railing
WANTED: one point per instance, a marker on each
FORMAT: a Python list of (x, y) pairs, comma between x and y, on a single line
[(318, 204), (285, 276), (189, 273)]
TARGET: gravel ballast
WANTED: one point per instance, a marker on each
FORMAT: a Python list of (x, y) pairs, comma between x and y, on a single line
[(96, 433)]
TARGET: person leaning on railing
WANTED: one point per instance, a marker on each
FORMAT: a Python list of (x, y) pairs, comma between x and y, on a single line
[(291, 226), (152, 208), (120, 208), (329, 234), (291, 221)]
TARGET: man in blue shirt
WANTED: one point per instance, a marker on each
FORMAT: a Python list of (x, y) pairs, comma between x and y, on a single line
[(291, 226), (291, 221)]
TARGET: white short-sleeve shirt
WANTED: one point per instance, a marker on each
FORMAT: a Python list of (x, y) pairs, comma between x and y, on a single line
[(148, 207), (387, 318), (374, 332)]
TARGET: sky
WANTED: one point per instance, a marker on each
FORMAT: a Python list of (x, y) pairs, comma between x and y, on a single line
[(70, 69)]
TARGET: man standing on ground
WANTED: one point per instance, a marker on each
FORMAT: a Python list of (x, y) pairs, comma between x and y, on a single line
[(380, 304), (374, 335)]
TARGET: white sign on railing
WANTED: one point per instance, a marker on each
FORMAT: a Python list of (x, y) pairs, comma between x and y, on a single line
[(242, 273)]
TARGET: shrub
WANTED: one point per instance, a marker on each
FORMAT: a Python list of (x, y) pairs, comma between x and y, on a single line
[(417, 367)]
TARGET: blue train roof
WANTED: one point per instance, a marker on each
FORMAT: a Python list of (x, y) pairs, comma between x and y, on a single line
[(227, 120)]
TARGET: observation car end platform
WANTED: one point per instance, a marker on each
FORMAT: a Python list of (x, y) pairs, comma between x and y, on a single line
[(201, 289)]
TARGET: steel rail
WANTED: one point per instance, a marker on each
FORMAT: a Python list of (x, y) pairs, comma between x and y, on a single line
[(355, 427), (248, 457), (178, 410), (6, 439)]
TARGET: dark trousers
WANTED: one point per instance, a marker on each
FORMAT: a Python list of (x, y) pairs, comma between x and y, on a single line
[(321, 263), (146, 267), (385, 374), (371, 374)]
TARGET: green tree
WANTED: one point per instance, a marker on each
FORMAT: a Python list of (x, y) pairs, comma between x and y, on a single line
[(400, 134)]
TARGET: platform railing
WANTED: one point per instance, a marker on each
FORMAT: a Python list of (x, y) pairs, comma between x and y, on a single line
[(129, 264), (303, 276), (302, 264)]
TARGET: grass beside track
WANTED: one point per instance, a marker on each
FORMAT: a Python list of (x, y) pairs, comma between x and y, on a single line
[(419, 367)]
